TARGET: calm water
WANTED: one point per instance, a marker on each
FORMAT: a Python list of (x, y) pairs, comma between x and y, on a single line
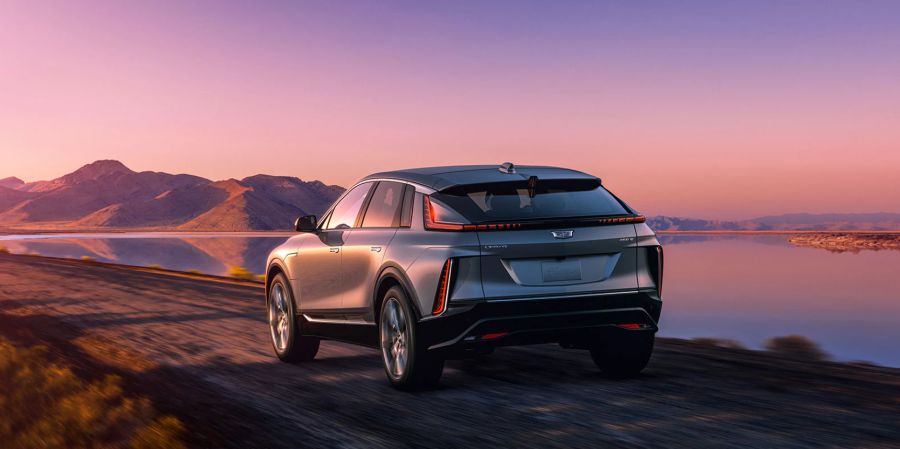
[(747, 288)]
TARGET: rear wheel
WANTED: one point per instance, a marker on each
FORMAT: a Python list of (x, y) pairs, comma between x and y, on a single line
[(407, 364), (625, 356), (289, 345)]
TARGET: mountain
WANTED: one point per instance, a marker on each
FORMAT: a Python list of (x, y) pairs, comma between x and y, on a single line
[(786, 222), (827, 218), (107, 194), (11, 183)]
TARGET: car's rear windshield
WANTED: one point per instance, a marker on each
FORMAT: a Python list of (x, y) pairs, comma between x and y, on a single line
[(549, 199)]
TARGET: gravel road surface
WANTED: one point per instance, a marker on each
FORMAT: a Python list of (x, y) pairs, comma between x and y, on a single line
[(199, 349)]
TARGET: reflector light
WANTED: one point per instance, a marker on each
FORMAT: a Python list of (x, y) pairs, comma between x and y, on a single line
[(443, 290), (493, 336), (636, 326)]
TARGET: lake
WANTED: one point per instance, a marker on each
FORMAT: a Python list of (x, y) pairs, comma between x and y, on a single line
[(744, 287)]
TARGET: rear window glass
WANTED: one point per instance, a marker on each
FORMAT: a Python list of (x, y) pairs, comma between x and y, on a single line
[(551, 199)]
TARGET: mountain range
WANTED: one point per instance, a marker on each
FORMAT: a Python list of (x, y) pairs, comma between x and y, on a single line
[(108, 195)]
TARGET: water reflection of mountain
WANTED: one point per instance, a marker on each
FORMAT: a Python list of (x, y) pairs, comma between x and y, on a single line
[(772, 240), (214, 255)]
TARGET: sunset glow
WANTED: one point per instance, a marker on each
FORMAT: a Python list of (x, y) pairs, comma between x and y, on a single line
[(701, 109)]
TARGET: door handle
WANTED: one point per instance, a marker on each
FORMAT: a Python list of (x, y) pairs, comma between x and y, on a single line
[(334, 250), (377, 249)]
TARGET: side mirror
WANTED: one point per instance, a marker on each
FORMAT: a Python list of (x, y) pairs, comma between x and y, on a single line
[(306, 224)]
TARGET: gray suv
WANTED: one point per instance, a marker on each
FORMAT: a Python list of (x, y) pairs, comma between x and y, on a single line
[(442, 263)]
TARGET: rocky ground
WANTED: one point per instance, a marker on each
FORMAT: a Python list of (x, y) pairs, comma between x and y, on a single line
[(838, 242), (199, 349)]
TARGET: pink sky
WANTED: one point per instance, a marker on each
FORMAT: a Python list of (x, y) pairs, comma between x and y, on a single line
[(702, 109)]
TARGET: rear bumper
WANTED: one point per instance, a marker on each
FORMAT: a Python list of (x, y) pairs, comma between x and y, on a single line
[(573, 321)]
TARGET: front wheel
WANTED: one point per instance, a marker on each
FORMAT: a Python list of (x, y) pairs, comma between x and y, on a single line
[(289, 345), (407, 365), (625, 356)]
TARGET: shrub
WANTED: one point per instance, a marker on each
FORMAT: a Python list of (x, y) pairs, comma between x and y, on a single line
[(43, 404), (726, 343), (155, 267), (4, 250), (194, 271), (241, 273), (88, 259), (797, 346)]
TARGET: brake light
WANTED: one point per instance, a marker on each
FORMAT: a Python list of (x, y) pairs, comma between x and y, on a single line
[(436, 220), (634, 219), (659, 271), (432, 221), (443, 290)]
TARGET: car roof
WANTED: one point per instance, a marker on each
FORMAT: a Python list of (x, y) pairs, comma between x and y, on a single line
[(440, 178)]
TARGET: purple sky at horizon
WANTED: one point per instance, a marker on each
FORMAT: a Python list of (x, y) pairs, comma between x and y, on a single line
[(703, 109)]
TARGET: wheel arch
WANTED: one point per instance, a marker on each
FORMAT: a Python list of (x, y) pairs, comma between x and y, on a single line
[(276, 267), (390, 277)]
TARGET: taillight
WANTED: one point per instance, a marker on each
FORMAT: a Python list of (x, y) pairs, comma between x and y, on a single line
[(443, 291), (432, 219), (659, 273), (439, 218), (634, 219)]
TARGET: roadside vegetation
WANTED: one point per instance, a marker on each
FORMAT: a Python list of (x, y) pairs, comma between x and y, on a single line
[(88, 259), (794, 346), (44, 404), (4, 250), (243, 273), (797, 346), (726, 343)]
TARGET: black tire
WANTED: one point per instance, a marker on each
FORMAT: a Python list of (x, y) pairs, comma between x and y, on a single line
[(624, 356), (289, 345), (418, 370)]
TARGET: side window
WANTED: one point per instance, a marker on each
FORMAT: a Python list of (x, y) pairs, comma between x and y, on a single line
[(406, 212), (384, 208), (344, 214)]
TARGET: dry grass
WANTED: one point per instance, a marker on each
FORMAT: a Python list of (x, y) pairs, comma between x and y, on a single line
[(796, 346), (88, 258), (44, 404), (194, 271), (242, 273), (155, 267), (4, 250)]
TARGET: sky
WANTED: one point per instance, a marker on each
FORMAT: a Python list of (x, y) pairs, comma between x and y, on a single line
[(706, 109)]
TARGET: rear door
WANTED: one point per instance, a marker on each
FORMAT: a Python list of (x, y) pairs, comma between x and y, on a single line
[(365, 248)]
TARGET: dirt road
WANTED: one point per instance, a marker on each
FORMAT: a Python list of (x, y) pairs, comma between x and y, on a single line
[(199, 349)]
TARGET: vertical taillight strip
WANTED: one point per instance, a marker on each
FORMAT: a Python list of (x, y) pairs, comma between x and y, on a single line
[(659, 274), (442, 296)]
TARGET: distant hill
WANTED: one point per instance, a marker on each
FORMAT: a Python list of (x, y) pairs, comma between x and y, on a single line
[(11, 183), (787, 222), (827, 218), (107, 194)]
